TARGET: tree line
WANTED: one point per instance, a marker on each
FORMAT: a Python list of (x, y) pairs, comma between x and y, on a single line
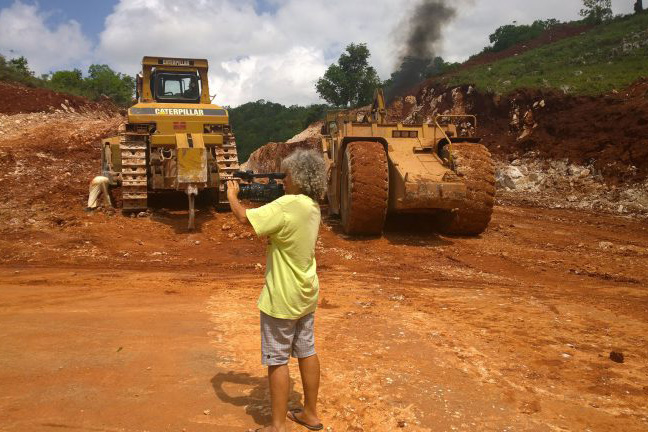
[(257, 123), (352, 80), (100, 80)]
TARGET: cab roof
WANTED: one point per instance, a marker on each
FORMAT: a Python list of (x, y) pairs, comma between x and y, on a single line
[(174, 62)]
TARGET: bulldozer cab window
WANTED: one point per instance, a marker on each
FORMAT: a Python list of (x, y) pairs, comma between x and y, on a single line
[(177, 88)]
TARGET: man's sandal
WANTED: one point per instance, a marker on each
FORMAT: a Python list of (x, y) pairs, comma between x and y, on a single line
[(292, 416)]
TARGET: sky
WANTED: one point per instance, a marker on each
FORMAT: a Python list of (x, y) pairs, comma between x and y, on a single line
[(257, 49)]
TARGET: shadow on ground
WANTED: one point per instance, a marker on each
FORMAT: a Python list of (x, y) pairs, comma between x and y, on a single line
[(406, 229), (171, 208), (245, 390)]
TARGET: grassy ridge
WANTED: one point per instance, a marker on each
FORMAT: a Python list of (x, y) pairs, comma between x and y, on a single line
[(611, 56)]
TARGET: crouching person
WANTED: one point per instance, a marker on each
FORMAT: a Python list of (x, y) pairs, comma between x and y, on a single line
[(289, 296), (98, 187)]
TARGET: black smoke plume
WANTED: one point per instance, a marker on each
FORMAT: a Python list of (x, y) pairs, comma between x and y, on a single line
[(418, 59)]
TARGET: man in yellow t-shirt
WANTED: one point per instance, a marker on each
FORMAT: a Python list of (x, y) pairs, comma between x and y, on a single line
[(289, 296)]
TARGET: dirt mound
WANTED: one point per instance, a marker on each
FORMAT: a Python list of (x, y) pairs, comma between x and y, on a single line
[(559, 184), (17, 99), (47, 161), (608, 132), (547, 134), (268, 158), (312, 131)]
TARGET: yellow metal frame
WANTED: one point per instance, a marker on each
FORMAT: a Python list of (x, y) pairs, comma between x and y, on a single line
[(173, 64), (436, 122)]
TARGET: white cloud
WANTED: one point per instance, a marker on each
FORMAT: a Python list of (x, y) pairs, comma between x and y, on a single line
[(289, 78), (262, 49), (23, 32), (275, 56)]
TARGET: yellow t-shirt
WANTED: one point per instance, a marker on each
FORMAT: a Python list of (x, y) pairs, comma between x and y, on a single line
[(291, 224)]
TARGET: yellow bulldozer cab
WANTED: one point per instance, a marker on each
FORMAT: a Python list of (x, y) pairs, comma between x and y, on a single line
[(173, 80)]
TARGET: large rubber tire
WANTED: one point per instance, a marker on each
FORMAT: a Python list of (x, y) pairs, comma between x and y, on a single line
[(475, 167), (364, 188)]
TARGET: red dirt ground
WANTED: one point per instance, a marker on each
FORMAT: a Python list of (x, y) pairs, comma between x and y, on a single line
[(18, 99), (268, 158), (114, 323), (611, 130)]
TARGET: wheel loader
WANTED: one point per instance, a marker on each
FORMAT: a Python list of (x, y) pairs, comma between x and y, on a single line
[(437, 168), (174, 139)]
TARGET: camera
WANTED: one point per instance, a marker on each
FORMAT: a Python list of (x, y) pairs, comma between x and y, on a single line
[(260, 192)]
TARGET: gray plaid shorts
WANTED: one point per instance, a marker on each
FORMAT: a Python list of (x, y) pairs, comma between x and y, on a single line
[(281, 338)]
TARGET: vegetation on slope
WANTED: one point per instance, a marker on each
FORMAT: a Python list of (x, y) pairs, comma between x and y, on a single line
[(508, 35), (611, 57), (257, 123), (100, 81)]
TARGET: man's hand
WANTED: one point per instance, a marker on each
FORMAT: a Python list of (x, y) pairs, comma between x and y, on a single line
[(232, 191), (235, 205)]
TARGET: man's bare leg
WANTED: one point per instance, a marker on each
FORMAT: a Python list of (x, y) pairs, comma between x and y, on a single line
[(106, 195), (309, 368), (279, 378)]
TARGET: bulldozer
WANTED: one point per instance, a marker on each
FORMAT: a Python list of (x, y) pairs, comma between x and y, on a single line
[(174, 138), (438, 168)]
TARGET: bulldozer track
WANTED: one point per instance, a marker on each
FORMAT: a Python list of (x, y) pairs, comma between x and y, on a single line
[(133, 148), (227, 159), (475, 167), (365, 188)]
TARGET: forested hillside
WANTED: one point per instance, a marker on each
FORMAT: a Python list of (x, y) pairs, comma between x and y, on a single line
[(256, 123)]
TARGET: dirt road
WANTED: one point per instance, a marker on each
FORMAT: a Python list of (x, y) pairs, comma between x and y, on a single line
[(130, 324), (110, 323)]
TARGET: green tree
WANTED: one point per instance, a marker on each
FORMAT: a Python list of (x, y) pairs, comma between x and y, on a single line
[(17, 70), (257, 123), (21, 66), (508, 35), (67, 81), (102, 80), (350, 82), (596, 11)]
